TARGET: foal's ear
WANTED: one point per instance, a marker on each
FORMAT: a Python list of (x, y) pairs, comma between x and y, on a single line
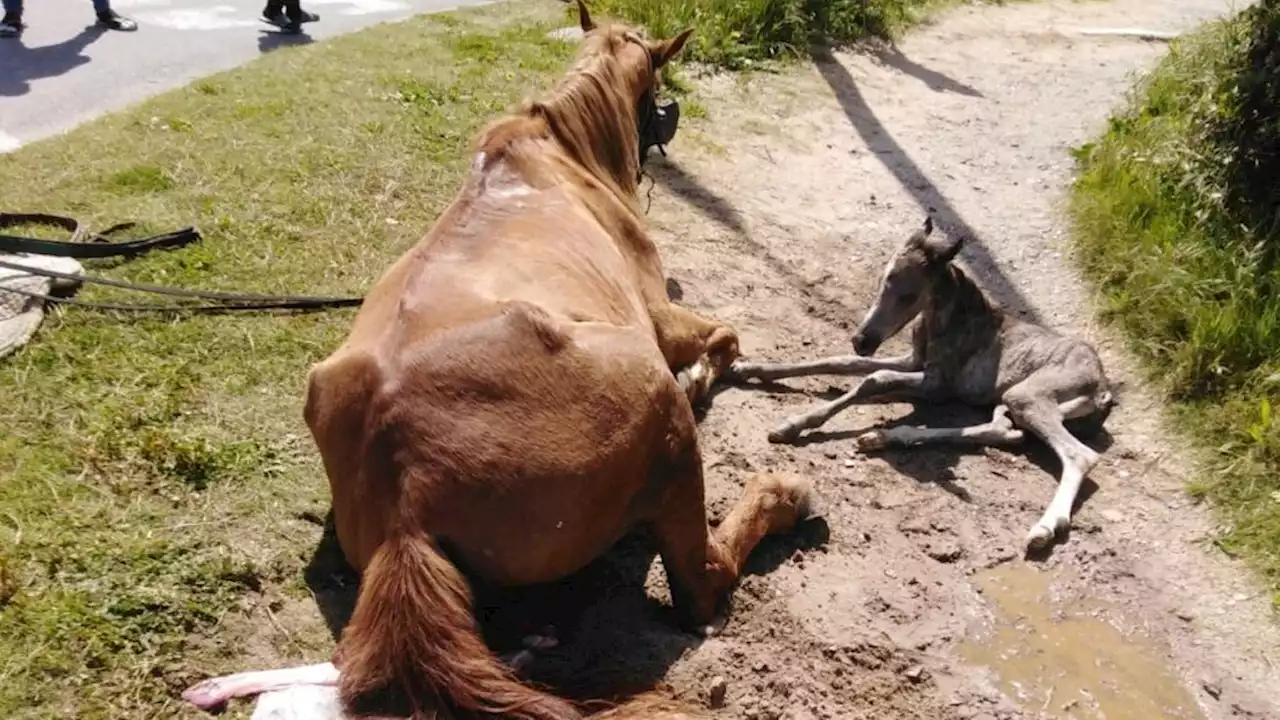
[(584, 18), (663, 50), (942, 250)]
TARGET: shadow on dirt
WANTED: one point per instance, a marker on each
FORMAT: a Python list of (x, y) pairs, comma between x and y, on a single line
[(614, 638), (882, 143), (699, 197), (891, 56)]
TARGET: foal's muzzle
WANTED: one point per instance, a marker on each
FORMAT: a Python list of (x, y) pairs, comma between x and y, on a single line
[(865, 344)]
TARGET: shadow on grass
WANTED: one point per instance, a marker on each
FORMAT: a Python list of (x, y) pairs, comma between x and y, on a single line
[(269, 40)]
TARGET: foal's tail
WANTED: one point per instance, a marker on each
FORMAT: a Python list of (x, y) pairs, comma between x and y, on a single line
[(412, 644)]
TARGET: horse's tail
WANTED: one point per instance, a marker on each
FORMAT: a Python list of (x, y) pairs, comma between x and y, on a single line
[(413, 644)]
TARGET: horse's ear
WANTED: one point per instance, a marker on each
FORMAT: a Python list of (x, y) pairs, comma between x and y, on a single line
[(584, 18), (663, 50), (942, 250)]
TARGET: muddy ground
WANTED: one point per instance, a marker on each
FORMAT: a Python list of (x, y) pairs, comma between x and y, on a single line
[(911, 598)]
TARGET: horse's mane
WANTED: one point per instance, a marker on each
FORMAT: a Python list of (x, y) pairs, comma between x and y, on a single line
[(589, 113)]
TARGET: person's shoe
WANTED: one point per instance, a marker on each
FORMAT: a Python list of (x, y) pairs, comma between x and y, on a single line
[(11, 25), (111, 20), (279, 19)]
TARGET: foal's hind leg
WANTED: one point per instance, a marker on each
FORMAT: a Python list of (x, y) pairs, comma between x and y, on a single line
[(1033, 407), (998, 431), (702, 566), (834, 365)]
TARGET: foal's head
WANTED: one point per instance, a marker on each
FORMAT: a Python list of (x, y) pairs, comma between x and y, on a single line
[(907, 286)]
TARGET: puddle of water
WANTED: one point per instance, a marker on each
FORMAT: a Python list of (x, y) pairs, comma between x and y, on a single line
[(1065, 661)]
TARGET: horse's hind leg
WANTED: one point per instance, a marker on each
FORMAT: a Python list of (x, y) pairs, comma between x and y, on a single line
[(1032, 406), (702, 566)]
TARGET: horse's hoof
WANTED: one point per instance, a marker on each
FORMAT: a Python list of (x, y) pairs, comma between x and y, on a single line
[(714, 627), (872, 440)]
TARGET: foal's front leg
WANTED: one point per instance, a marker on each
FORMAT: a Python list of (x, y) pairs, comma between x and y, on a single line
[(880, 386), (999, 431), (835, 365)]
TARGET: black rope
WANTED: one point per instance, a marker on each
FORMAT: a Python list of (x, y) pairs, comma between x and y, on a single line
[(266, 304), (98, 246)]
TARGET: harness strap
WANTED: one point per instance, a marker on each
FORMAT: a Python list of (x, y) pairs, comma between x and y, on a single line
[(97, 246), (82, 245), (297, 303)]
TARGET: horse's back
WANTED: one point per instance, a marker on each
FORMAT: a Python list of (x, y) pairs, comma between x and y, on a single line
[(524, 442)]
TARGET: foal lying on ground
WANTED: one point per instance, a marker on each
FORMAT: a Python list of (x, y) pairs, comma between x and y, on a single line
[(966, 349)]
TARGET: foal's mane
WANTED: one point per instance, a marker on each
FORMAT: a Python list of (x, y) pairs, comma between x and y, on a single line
[(591, 113)]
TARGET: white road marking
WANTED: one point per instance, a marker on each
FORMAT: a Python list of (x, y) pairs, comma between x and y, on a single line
[(363, 7), (8, 143), (130, 4), (211, 18)]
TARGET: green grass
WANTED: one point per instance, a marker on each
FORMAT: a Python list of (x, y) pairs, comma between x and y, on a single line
[(1175, 212), (736, 33), (158, 488)]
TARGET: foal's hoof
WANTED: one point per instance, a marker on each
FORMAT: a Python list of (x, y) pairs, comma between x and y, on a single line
[(1039, 537), (206, 695), (784, 434), (872, 440), (740, 370)]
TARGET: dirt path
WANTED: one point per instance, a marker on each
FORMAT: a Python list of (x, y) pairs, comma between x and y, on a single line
[(777, 215)]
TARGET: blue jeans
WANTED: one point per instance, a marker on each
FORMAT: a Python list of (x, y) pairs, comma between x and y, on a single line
[(15, 6)]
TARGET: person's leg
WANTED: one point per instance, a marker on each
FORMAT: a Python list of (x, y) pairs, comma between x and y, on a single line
[(110, 19), (11, 23)]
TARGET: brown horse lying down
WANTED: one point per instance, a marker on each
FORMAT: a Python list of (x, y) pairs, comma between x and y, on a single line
[(508, 399)]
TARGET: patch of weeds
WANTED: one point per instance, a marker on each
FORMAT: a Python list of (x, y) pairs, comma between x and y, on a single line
[(475, 48), (1175, 218), (141, 179), (739, 33), (264, 109), (8, 582), (177, 124)]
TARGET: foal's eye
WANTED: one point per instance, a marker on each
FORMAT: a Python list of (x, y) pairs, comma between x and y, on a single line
[(908, 299)]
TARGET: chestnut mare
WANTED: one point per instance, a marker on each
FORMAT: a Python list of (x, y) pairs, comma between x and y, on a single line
[(516, 395)]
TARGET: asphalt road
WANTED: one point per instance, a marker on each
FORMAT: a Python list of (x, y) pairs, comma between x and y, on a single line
[(63, 71)]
